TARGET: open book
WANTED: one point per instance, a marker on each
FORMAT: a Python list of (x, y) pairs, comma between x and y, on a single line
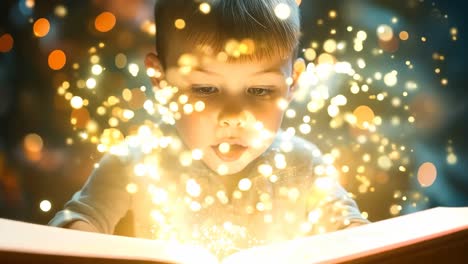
[(438, 235)]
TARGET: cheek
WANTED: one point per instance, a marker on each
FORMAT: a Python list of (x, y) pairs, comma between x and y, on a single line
[(195, 128), (270, 116)]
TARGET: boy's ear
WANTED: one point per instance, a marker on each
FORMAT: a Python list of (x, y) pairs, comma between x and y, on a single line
[(152, 62), (299, 67)]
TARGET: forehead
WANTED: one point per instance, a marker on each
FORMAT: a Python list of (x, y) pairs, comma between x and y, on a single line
[(233, 52)]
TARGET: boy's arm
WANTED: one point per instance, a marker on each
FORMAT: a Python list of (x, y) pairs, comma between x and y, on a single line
[(335, 208), (101, 203), (82, 226)]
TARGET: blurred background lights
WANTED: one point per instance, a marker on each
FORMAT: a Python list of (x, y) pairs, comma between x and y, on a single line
[(33, 143), (404, 35), (179, 23), (45, 206), (385, 32), (6, 42), (133, 69), (105, 22), (245, 184), (91, 83), (205, 8), (41, 27), (364, 116), (60, 11), (57, 59), (76, 102), (427, 174), (96, 69)]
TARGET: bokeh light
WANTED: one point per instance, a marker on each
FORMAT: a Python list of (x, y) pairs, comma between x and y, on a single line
[(6, 42), (105, 22), (427, 174), (41, 27), (57, 59)]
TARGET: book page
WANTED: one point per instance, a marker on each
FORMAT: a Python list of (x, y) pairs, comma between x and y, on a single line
[(352, 243), (23, 237)]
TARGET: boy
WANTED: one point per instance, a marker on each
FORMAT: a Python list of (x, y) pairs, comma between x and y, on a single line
[(228, 67)]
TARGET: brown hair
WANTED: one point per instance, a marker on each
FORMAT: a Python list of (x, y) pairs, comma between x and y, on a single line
[(240, 29)]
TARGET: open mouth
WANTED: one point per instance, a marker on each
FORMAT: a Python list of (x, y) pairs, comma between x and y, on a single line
[(233, 152)]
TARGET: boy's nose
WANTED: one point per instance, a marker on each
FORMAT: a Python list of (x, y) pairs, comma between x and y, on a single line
[(232, 119)]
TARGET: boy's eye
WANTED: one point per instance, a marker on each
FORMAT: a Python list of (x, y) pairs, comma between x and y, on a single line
[(204, 90), (257, 91)]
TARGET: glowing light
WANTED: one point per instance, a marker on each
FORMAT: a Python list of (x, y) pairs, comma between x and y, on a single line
[(133, 69), (329, 45), (120, 60), (105, 22), (132, 188), (6, 42), (199, 106), (193, 188), (314, 216), (45, 206), (245, 184), (60, 11), (364, 116), (391, 79), (310, 54), (427, 174), (140, 169), (404, 35), (30, 4), (305, 129), (91, 83), (179, 23), (265, 170), (385, 32), (41, 27), (224, 147), (57, 59), (185, 158), (326, 58), (333, 110), (395, 209), (76, 102), (282, 104), (282, 11), (361, 35), (451, 159), (291, 113), (188, 109), (205, 8), (33, 143), (197, 154), (339, 100), (223, 169), (96, 69)]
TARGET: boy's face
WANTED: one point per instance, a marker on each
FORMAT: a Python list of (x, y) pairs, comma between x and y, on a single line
[(242, 106)]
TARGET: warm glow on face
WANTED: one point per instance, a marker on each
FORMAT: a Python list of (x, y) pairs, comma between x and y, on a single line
[(105, 22), (57, 59)]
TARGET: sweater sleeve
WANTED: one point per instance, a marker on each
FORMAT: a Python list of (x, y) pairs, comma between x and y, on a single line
[(102, 201)]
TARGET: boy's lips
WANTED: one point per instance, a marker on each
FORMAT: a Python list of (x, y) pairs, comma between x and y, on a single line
[(234, 153)]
